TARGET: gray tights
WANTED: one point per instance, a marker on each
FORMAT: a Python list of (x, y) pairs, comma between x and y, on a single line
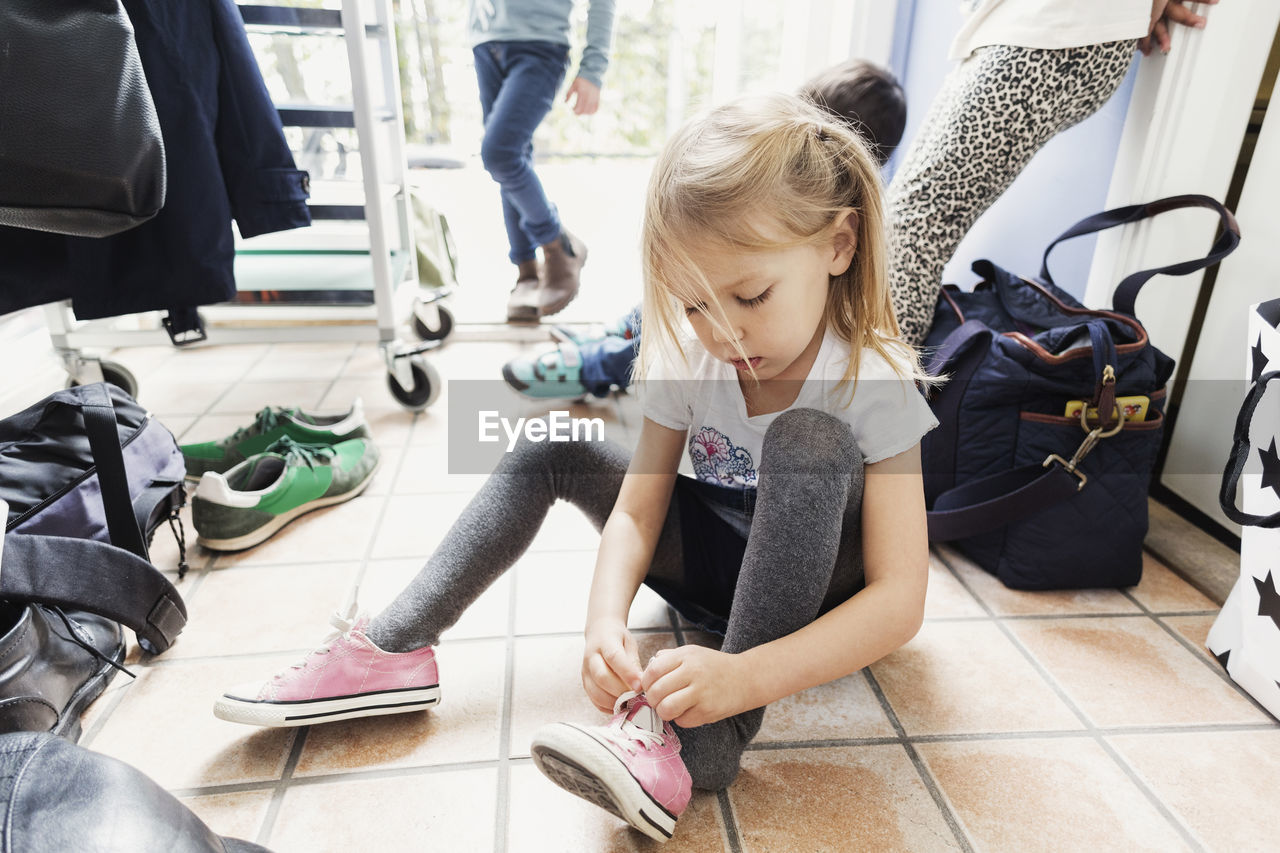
[(803, 555)]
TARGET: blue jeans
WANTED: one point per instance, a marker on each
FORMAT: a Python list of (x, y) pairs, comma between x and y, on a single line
[(607, 363), (518, 83)]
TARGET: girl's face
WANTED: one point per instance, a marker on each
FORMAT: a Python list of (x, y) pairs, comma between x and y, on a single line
[(774, 300)]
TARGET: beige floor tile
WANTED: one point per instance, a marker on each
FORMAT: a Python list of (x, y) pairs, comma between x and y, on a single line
[(1129, 672), (294, 604), (844, 708), (366, 360), (1195, 629), (551, 591), (537, 804), (552, 588), (209, 363), (425, 469), (178, 425), (837, 799), (391, 427), (181, 396), (413, 525), (249, 397), (475, 360), (566, 528), (967, 677), (371, 389), (431, 427), (947, 597), (463, 727), (1222, 785), (144, 361), (1060, 794), (339, 532), (1012, 602), (548, 684), (433, 811), (235, 815), (486, 617), (303, 362), (165, 726), (648, 610), (1162, 591), (215, 427)]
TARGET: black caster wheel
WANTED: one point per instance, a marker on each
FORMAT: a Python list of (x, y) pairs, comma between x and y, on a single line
[(116, 374), (426, 333), (426, 385)]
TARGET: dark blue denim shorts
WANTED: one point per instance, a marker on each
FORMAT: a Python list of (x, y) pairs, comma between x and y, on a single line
[(713, 548)]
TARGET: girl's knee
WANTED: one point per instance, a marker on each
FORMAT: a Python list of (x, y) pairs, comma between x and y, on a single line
[(809, 437)]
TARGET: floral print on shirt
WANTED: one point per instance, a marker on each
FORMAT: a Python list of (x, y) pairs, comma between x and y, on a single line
[(718, 460)]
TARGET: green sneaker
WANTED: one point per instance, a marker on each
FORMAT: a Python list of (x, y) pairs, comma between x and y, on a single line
[(268, 426), (267, 491)]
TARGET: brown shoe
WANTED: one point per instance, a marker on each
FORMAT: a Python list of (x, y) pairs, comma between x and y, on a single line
[(563, 260), (522, 306)]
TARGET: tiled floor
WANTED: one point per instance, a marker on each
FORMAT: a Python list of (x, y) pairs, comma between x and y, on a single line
[(1013, 721)]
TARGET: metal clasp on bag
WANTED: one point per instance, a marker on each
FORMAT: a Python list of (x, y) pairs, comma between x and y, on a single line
[(1093, 437)]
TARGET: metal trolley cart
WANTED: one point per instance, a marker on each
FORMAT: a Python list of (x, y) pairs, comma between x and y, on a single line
[(353, 293)]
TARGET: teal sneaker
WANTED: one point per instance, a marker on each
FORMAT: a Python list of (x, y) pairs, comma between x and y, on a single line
[(553, 375), (270, 425), (265, 492)]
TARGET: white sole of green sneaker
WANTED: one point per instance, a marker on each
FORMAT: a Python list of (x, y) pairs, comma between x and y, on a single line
[(266, 531), (583, 766), (310, 712)]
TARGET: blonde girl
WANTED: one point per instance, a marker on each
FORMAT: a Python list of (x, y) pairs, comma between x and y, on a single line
[(770, 354)]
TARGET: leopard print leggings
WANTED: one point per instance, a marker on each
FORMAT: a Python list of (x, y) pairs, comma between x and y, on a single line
[(994, 112)]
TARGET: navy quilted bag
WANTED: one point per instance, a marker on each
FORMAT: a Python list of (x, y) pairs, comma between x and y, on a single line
[(1038, 498)]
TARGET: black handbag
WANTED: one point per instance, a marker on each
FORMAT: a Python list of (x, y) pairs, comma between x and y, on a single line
[(80, 145), (1051, 419)]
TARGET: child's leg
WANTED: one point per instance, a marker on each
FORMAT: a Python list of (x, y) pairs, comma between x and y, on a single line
[(993, 113), (498, 525), (531, 72), (803, 551)]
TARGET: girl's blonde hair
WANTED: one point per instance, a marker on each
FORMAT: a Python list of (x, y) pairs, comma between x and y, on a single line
[(777, 161)]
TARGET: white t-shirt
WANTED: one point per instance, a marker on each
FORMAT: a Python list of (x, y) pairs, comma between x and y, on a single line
[(1049, 24), (887, 415)]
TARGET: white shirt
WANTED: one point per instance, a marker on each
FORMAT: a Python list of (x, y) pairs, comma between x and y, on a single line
[(887, 415), (1049, 24)]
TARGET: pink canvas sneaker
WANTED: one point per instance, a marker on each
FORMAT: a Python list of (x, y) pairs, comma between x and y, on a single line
[(347, 676), (631, 766)]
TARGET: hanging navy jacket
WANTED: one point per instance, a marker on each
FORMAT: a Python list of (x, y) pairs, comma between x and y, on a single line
[(226, 157)]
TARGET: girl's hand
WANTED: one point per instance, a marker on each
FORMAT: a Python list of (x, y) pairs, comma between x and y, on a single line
[(694, 685), (610, 664)]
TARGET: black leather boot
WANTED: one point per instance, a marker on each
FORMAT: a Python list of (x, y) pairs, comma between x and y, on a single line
[(48, 675)]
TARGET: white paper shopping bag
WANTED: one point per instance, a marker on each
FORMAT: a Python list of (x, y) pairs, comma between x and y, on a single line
[(1246, 635)]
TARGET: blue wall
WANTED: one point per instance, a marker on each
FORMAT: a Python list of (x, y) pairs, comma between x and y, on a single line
[(1065, 182)]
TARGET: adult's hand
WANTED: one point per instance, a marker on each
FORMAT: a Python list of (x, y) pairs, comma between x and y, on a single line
[(1165, 13), (584, 95)]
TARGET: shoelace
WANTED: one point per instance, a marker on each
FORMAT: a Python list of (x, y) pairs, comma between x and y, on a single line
[(264, 421), (343, 620), (74, 629), (307, 453), (626, 733)]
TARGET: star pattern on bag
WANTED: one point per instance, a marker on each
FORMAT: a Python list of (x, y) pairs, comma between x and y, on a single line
[(1270, 468), (1268, 599), (1259, 359)]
